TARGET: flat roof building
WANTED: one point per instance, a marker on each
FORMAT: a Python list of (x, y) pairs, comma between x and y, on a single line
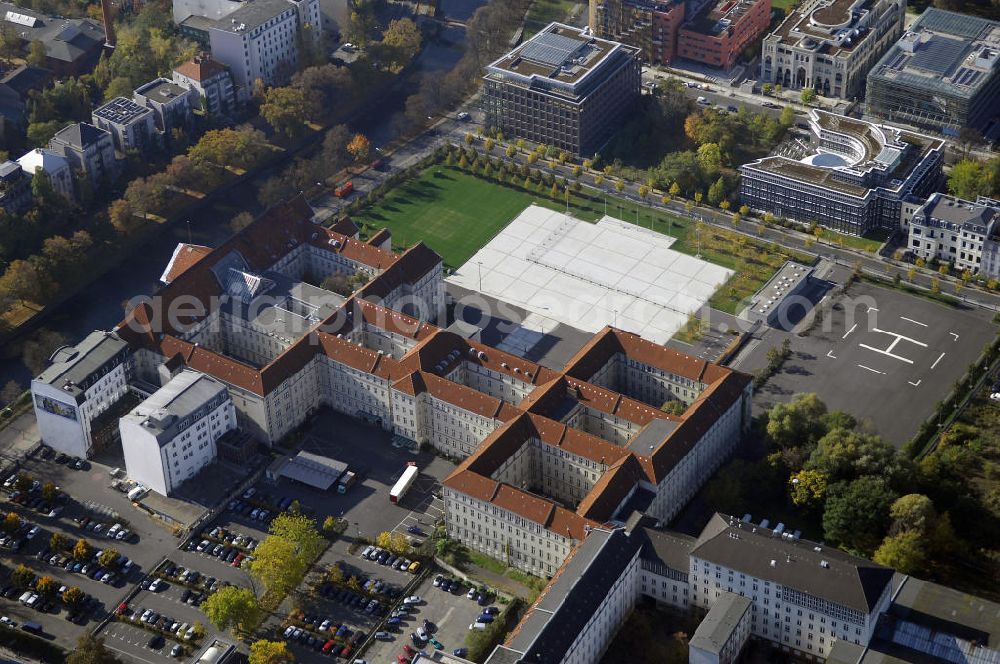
[(131, 125), (170, 103), (853, 182), (564, 88), (171, 436), (81, 383), (942, 75), (830, 45), (723, 631), (718, 35)]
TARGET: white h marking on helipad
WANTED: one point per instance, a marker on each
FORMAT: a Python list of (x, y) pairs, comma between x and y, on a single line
[(888, 351)]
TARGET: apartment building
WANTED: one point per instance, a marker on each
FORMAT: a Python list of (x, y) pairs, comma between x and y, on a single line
[(830, 45), (958, 232), (82, 383), (169, 102), (718, 35), (942, 75), (723, 631), (89, 150), (564, 88), (54, 165), (172, 435), (15, 188), (211, 81), (651, 26), (259, 39), (855, 180), (132, 126)]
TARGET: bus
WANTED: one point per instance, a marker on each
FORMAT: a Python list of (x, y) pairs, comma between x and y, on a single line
[(404, 482)]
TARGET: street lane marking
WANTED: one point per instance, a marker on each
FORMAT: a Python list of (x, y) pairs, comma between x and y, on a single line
[(937, 360), (881, 373), (916, 384), (846, 334), (915, 322)]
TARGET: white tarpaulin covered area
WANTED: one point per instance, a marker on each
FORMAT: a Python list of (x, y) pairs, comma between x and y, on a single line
[(592, 275)]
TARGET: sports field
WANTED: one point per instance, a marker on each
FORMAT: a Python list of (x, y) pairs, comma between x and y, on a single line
[(453, 213)]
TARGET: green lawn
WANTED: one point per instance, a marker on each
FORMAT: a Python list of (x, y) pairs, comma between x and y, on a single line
[(543, 12), (870, 242), (453, 213)]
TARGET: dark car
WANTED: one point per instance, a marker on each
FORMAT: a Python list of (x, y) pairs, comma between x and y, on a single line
[(156, 642), (414, 530)]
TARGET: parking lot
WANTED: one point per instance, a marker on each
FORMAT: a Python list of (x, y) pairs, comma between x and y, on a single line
[(884, 356), (88, 495), (449, 613)]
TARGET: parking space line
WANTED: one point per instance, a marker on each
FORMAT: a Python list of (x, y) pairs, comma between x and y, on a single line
[(882, 373), (938, 360), (132, 655), (846, 334), (830, 354), (915, 322)]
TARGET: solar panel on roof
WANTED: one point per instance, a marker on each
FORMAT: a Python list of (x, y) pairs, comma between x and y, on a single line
[(938, 54), (550, 49), (960, 25)]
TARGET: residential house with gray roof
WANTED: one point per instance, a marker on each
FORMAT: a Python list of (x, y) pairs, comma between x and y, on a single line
[(89, 150)]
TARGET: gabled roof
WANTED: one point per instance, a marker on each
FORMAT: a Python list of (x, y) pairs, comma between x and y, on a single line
[(184, 256), (80, 135), (821, 571), (201, 68)]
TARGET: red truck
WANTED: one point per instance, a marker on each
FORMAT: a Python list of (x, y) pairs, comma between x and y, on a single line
[(344, 190)]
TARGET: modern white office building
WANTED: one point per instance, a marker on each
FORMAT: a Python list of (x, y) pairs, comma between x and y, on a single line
[(171, 436), (830, 45), (855, 179), (132, 126), (961, 233), (82, 383)]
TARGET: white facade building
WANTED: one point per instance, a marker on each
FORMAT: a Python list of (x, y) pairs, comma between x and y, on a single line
[(171, 436), (211, 81), (831, 46), (55, 166), (132, 126), (723, 632), (82, 383), (959, 232)]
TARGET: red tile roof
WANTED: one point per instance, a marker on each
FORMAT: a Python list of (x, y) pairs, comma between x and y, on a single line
[(184, 256), (200, 68)]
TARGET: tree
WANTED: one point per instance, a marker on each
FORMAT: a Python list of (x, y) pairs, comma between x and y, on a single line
[(710, 158), (49, 491), (401, 42), (270, 652), (36, 53), (73, 596), (108, 557), (935, 285), (82, 550), (807, 96), (22, 576), (240, 221), (335, 574), (23, 483), (46, 585), (285, 110), (277, 565), (358, 147), (11, 391), (91, 650), (857, 512), (969, 179), (383, 539), (843, 454), (797, 423), (787, 117), (58, 542), (122, 216), (232, 606), (398, 544), (717, 192), (905, 552), (22, 281), (807, 488), (11, 522)]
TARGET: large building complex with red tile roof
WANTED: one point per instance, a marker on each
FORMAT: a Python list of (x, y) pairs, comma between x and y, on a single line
[(546, 455)]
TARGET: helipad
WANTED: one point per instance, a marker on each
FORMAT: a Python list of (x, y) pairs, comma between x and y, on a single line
[(592, 275)]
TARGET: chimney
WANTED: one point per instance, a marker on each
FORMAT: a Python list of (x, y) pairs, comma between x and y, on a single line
[(109, 24)]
